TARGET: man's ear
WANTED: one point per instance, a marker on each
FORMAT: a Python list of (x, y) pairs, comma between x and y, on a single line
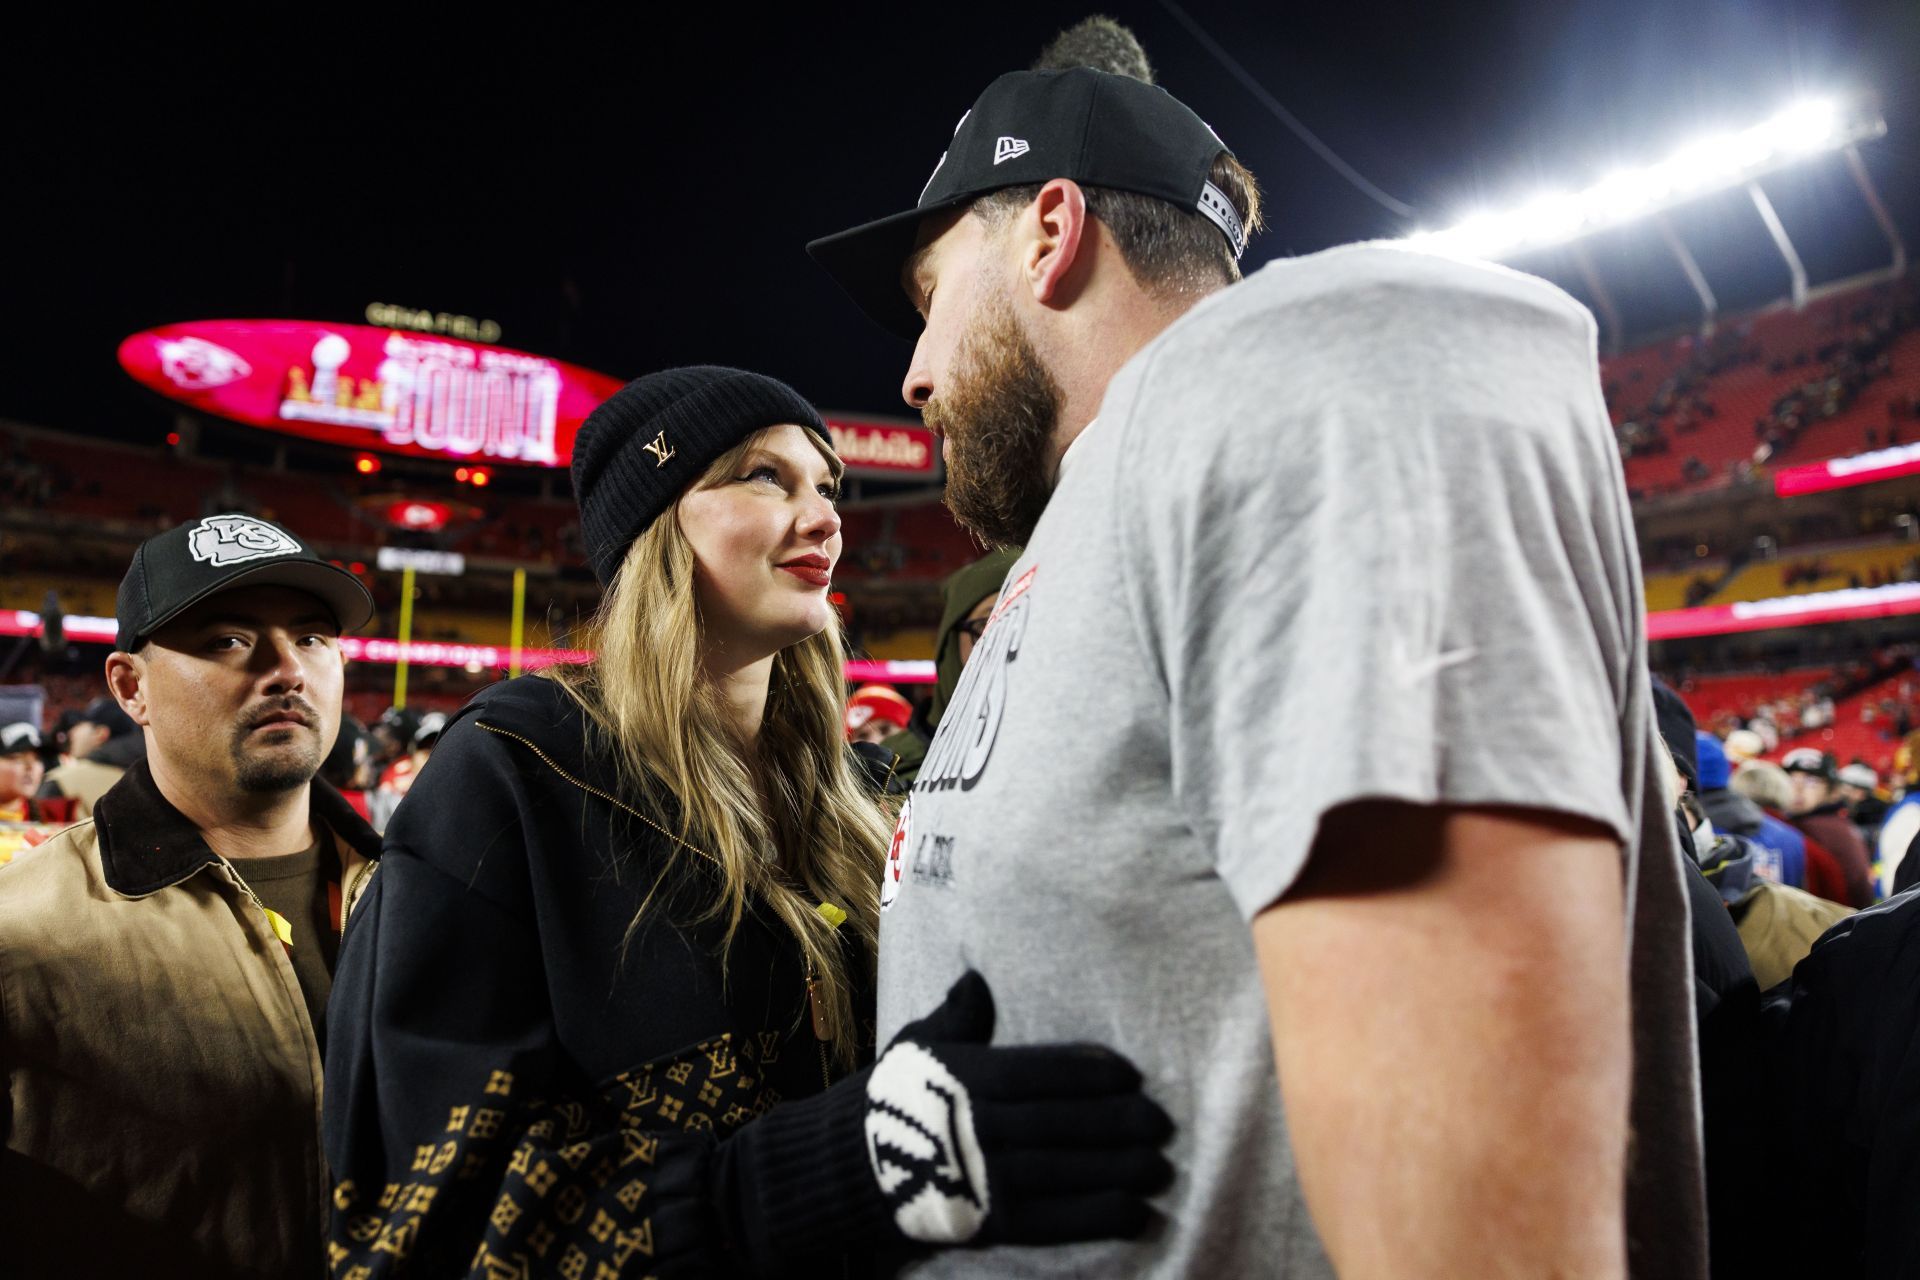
[(1059, 235), (127, 681)]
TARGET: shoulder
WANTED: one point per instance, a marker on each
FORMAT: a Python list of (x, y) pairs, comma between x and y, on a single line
[(508, 719), (1383, 339), (44, 883), (1375, 316), (1867, 949), (532, 710), (1382, 283), (81, 770), (515, 757), (527, 702)]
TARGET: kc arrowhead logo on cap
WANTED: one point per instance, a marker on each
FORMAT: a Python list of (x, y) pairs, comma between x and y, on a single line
[(225, 540), (1005, 149), (173, 571)]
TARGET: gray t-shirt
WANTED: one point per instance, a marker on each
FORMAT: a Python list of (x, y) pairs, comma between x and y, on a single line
[(1354, 528)]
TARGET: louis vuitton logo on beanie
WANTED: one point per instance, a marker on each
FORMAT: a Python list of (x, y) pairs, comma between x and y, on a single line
[(688, 416), (660, 449)]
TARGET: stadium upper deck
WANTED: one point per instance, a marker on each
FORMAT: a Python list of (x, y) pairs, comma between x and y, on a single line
[(1694, 416)]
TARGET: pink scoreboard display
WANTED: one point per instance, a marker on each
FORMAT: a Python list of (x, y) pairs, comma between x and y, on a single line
[(371, 388), (425, 395)]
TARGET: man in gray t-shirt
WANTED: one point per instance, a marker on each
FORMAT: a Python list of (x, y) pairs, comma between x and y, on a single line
[(1312, 728)]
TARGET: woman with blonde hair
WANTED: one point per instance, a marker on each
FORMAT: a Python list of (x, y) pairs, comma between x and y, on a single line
[(607, 1008)]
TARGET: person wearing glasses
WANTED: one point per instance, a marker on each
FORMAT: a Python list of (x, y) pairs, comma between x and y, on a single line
[(970, 595)]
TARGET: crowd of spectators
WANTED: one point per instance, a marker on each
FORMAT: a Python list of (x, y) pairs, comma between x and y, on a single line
[(25, 483), (1680, 404), (1779, 719), (1817, 569), (1843, 366), (1847, 354)]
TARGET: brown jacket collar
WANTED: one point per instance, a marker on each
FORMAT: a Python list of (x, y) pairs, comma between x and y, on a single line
[(147, 845)]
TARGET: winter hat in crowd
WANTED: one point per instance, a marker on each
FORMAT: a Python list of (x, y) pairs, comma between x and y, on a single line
[(1715, 772), (1676, 730), (1808, 760), (1745, 744), (19, 738), (964, 589), (640, 450), (1860, 775), (877, 702), (399, 722), (106, 713), (432, 725)]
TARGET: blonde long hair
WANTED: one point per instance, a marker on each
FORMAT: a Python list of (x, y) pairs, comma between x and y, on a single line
[(810, 832)]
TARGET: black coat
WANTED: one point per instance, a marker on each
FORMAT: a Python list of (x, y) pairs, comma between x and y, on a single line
[(1727, 1009), (511, 1070), (1846, 1084)]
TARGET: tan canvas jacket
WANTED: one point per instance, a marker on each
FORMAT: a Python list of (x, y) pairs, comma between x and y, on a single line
[(162, 1112), (85, 780)]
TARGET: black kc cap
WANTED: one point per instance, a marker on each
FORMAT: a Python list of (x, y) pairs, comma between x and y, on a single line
[(1097, 128), (173, 571)]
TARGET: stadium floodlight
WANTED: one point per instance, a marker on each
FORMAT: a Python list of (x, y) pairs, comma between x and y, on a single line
[(1716, 162)]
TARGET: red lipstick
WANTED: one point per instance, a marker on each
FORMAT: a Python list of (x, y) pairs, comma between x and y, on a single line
[(814, 569)]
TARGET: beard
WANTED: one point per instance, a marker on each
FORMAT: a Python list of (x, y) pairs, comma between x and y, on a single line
[(261, 769), (998, 415)]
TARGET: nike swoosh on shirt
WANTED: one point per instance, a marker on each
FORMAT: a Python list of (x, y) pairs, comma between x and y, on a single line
[(1408, 671)]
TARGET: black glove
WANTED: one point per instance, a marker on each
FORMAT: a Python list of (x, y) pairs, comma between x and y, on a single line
[(949, 1140), (1027, 1144)]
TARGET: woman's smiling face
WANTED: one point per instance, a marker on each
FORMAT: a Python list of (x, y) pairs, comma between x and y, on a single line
[(765, 540)]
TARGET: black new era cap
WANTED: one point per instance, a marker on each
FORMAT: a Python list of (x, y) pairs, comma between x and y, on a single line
[(1097, 128), (175, 570)]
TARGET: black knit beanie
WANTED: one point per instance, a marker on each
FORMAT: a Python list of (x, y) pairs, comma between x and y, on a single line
[(635, 454), (1670, 713)]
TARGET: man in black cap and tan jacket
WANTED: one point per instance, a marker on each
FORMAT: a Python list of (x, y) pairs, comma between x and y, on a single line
[(164, 967)]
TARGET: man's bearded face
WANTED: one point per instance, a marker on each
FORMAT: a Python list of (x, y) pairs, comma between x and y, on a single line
[(998, 412)]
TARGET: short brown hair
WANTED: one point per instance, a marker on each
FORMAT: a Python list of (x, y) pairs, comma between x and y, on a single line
[(1168, 249)]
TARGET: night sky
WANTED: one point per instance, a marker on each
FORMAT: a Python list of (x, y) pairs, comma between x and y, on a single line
[(634, 192)]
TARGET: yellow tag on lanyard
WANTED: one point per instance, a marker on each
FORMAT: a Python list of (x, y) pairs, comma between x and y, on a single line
[(834, 917), (281, 929)]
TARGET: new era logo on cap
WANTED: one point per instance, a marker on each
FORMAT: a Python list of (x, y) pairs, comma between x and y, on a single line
[(233, 539), (1093, 127)]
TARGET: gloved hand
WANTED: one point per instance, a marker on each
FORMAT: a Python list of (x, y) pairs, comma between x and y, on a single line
[(948, 1140), (1026, 1144)]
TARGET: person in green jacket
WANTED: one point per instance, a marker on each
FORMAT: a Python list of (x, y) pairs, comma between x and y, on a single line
[(970, 595)]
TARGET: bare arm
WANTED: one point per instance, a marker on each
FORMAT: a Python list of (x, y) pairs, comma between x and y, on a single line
[(1448, 990)]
